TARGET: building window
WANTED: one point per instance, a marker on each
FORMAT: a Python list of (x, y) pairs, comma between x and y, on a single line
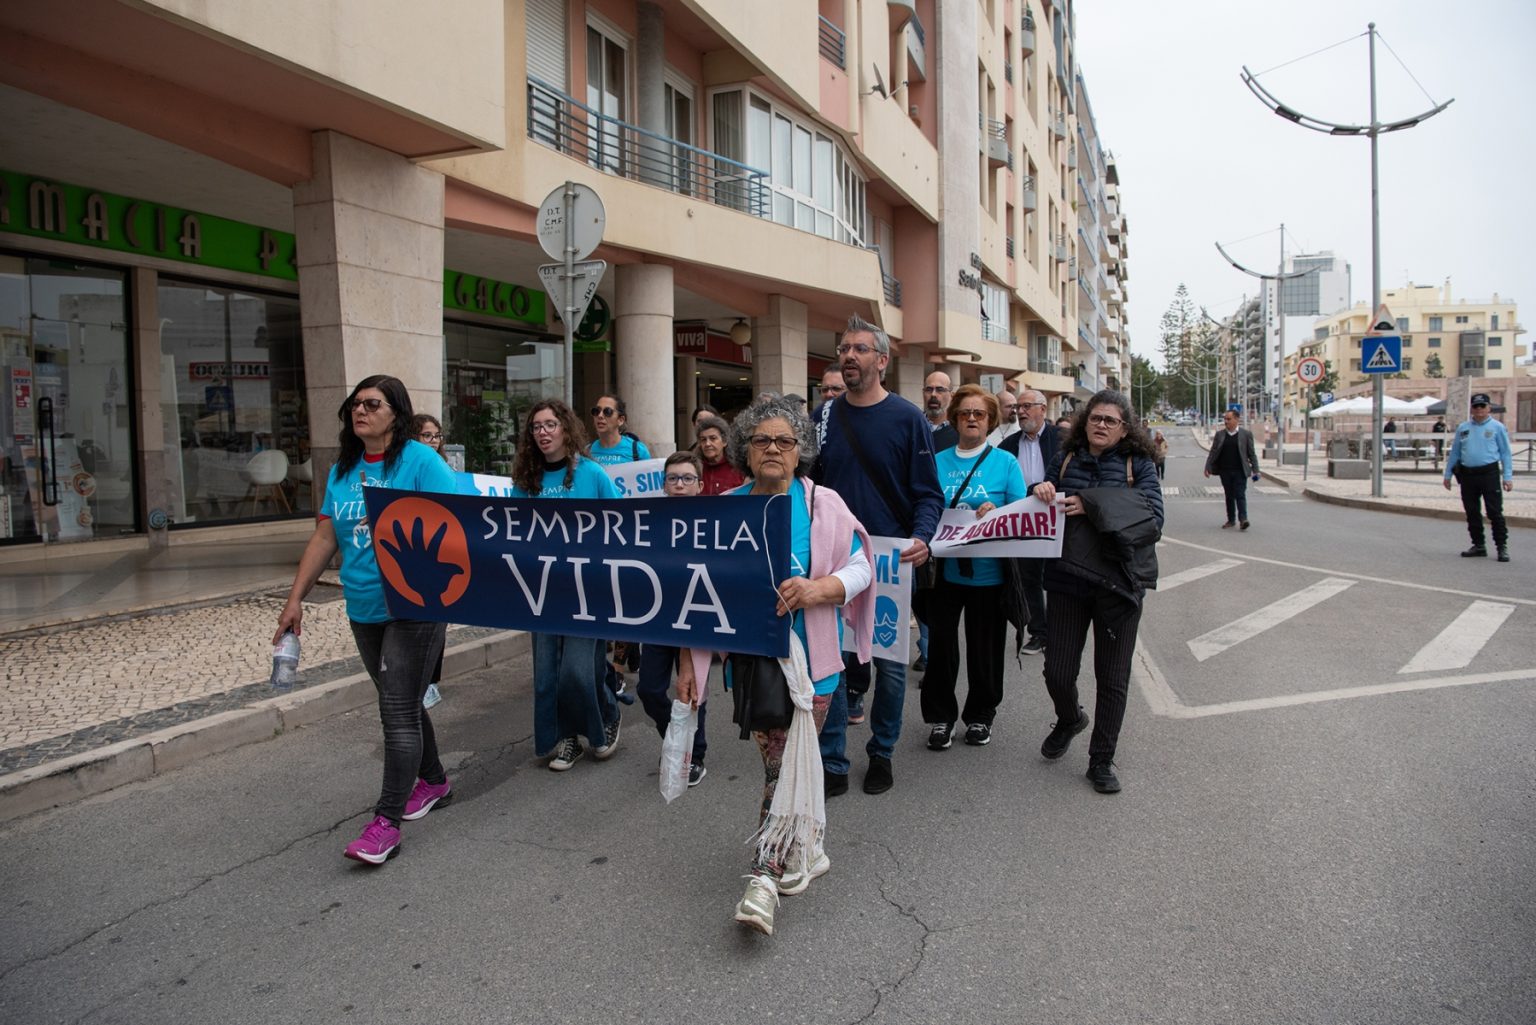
[(1437, 323), (815, 186), (1495, 340), (1318, 334), (1462, 320), (1493, 321), (1402, 325), (1407, 363), (1354, 364), (994, 313), (1495, 364), (607, 93), (232, 391), (1434, 343)]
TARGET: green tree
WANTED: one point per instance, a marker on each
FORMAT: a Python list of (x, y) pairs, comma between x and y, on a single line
[(1175, 336), (1329, 381), (1432, 367), (1147, 385)]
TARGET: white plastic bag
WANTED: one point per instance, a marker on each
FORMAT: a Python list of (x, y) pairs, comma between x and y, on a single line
[(677, 750)]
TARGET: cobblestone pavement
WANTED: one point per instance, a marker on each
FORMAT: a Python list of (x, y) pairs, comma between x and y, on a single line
[(70, 690)]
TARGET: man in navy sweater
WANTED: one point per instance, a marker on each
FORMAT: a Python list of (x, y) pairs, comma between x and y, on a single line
[(877, 453)]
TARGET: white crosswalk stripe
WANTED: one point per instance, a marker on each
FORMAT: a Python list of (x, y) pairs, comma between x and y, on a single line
[(1458, 644), (1271, 615), (1173, 580)]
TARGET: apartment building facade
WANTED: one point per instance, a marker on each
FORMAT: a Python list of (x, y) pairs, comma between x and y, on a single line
[(217, 218)]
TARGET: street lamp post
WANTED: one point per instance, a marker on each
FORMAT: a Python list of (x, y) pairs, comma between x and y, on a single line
[(1371, 131)]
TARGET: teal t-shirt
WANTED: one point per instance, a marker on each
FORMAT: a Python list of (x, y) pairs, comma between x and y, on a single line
[(417, 468), (999, 481), (799, 562), (589, 481), (629, 450)]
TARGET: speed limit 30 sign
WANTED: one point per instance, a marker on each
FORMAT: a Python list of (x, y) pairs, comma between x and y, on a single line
[(1310, 370)]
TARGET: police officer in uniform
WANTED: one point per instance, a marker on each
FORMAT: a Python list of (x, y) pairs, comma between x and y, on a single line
[(1482, 462)]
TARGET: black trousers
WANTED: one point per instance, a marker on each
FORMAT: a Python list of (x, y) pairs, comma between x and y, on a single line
[(399, 654), (1114, 621), (986, 630), (1483, 485), (1032, 572), (1234, 486)]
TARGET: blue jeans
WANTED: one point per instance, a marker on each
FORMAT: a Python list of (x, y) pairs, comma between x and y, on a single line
[(834, 731), (922, 639), (569, 697), (884, 712), (657, 663)]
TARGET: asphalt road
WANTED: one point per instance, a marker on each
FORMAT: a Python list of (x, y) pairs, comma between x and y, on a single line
[(1307, 834)]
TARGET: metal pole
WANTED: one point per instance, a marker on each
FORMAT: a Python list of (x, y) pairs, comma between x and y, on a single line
[(570, 292), (1378, 387), (1306, 432), (1280, 351)]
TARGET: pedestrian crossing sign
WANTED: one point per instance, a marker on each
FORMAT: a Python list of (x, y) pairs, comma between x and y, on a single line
[(1382, 354)]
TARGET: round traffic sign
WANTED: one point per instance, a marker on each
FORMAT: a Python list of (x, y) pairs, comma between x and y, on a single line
[(585, 214), (1310, 370)]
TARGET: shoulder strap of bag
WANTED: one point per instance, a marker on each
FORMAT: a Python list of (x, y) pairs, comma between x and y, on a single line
[(901, 513), (974, 467), (1130, 474)]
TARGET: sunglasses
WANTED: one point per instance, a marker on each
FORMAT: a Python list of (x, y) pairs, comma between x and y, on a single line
[(971, 414), (603, 411), (369, 405)]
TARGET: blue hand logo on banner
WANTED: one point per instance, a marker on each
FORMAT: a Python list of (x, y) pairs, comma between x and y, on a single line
[(430, 572)]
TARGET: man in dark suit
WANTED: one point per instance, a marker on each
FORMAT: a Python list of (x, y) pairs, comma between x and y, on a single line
[(1034, 445), (1232, 456), (936, 396)]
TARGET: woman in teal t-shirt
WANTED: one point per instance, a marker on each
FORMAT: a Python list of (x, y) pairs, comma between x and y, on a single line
[(973, 475), (377, 451), (613, 445), (569, 697)]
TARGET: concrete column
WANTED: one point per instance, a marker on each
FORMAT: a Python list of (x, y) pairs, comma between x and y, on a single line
[(155, 447), (905, 374), (369, 227), (780, 343), (685, 398), (650, 90), (643, 346)]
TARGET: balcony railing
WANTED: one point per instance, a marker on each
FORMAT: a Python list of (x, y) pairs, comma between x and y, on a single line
[(1027, 34), (995, 140), (569, 126), (892, 290), (1031, 200), (994, 330), (834, 43), (1008, 247), (1008, 71), (917, 48)]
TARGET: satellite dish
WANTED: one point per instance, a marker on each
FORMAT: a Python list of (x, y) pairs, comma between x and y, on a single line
[(879, 86)]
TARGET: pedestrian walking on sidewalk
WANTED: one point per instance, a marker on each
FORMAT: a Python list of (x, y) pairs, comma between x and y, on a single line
[(1482, 462), (570, 699), (1232, 456), (377, 451), (428, 430), (1108, 561)]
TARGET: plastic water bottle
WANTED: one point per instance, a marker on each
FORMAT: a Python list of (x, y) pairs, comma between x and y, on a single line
[(285, 661)]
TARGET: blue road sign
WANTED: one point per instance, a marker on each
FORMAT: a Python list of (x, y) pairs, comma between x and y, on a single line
[(1382, 354), (1235, 407)]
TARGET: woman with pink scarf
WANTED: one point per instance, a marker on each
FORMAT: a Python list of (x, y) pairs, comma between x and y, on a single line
[(773, 443)]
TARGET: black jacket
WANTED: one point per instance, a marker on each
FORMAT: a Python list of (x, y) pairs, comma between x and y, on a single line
[(1050, 442), (1109, 547)]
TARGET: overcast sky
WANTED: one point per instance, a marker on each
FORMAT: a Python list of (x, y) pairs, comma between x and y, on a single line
[(1201, 160)]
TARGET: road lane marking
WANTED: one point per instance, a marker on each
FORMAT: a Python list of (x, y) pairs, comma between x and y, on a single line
[(1458, 644), (1200, 572), (1344, 573), (1271, 615), (1164, 702)]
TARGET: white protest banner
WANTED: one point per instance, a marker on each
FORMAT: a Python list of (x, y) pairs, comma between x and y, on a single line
[(893, 600), (640, 479), (1027, 528)]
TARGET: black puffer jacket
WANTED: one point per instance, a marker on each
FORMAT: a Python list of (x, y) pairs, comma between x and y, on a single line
[(1090, 561)]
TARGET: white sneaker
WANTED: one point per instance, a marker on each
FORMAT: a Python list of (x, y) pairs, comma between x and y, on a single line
[(798, 878), (757, 904), (567, 753)]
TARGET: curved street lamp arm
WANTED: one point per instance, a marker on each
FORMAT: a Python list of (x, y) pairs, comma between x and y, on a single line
[(1317, 124), (1266, 277)]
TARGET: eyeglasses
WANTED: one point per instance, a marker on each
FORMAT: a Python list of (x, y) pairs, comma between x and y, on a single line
[(603, 411), (369, 405), (429, 437), (681, 478), (781, 442), (1100, 420), (858, 348), (934, 389), (833, 389), (1031, 405), (544, 426), (971, 414)]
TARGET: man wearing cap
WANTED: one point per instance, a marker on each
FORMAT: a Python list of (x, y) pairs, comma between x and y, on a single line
[(1482, 462)]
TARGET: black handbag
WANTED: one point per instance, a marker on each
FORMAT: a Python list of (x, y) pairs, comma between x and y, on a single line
[(759, 694)]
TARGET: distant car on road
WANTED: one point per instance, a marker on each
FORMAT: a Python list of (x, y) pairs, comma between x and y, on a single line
[(1184, 421)]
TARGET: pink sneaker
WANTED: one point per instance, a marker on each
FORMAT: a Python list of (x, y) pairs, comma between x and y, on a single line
[(380, 842), (425, 797)]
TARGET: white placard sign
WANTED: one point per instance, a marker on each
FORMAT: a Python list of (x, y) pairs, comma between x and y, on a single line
[(1027, 528), (893, 601), (640, 479)]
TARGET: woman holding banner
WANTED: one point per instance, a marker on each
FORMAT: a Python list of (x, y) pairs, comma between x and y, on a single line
[(1106, 475), (615, 446), (979, 589), (428, 430), (377, 451), (569, 699), (773, 443)]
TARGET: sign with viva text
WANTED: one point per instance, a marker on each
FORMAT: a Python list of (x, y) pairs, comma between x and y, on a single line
[(684, 572), (1027, 528)]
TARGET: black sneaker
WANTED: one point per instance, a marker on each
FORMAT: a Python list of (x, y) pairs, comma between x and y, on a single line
[(696, 773), (921, 665), (1503, 554), (1102, 776), (1035, 646), (878, 779), (941, 736), (978, 734), (1060, 737), (1475, 552), (836, 783), (610, 741)]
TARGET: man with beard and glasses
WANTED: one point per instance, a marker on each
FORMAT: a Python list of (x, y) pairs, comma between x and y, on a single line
[(1034, 446), (877, 453), (936, 393)]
